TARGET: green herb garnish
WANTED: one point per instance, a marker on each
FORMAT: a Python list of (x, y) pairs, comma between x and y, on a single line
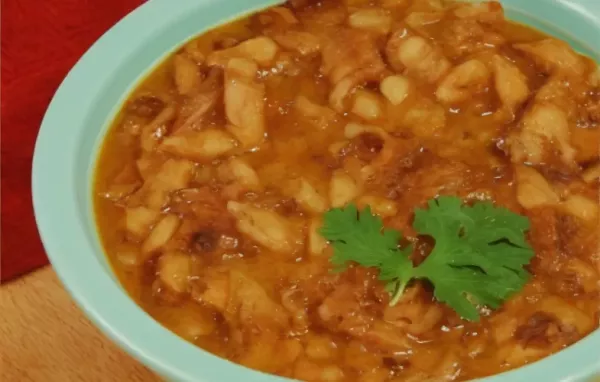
[(478, 257)]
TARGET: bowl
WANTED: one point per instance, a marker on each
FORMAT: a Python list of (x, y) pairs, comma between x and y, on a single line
[(70, 138)]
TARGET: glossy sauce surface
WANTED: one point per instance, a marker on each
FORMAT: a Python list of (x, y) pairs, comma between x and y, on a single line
[(212, 182)]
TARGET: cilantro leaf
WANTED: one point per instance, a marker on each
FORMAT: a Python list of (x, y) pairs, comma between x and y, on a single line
[(479, 253), (478, 257), (361, 238)]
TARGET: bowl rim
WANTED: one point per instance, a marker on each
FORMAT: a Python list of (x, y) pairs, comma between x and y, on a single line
[(63, 233)]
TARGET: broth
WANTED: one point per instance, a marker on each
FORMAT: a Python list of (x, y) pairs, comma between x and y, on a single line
[(213, 181)]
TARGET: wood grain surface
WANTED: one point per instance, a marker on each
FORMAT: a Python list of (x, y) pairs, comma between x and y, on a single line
[(44, 337)]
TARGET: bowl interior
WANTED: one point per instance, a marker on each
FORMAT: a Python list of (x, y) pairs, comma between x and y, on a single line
[(82, 111)]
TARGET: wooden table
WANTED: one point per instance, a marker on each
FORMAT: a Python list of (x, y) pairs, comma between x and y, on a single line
[(44, 337)]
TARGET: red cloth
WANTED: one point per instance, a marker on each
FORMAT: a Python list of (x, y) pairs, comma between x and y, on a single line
[(41, 41)]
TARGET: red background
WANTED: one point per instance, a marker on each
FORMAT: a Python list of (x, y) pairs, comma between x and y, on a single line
[(40, 41)]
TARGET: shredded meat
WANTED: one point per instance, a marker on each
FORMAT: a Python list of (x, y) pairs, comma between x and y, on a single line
[(146, 106), (536, 331), (350, 58)]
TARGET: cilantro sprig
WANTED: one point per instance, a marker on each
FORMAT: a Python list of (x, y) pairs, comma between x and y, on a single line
[(478, 259)]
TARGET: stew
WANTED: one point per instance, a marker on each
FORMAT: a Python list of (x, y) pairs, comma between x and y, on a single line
[(222, 179)]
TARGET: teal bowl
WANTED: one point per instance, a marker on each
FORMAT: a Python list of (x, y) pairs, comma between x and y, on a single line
[(71, 135)]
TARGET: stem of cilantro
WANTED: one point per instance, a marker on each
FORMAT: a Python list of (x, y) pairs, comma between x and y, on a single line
[(399, 291)]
